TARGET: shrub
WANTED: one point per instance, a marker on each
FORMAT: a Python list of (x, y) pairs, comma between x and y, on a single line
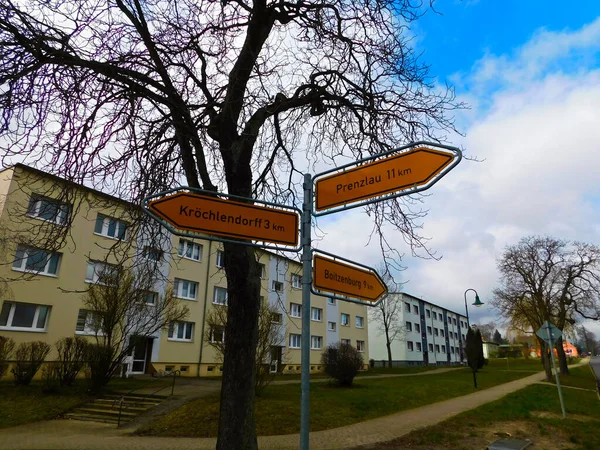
[(7, 345), (100, 359), (50, 378), (29, 357), (72, 353), (342, 362)]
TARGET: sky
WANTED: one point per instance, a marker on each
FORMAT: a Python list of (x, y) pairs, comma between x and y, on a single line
[(530, 72)]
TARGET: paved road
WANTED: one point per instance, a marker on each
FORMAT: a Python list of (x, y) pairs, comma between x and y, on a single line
[(595, 365)]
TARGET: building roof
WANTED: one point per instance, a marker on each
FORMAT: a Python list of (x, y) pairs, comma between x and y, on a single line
[(430, 303)]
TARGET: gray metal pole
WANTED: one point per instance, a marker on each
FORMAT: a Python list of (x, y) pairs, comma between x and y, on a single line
[(556, 375), (305, 233)]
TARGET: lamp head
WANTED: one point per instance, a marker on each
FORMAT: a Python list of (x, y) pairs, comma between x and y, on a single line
[(477, 301)]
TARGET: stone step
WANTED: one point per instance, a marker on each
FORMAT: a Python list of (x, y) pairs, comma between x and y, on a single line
[(115, 407), (105, 412), (115, 403), (136, 396), (93, 418)]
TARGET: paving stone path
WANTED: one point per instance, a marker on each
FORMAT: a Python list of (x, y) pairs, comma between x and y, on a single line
[(74, 435)]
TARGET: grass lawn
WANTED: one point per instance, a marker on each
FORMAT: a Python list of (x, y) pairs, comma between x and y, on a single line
[(581, 377), (532, 413), (370, 372), (278, 409)]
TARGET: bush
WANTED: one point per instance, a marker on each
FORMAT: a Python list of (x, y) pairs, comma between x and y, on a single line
[(7, 345), (72, 353), (29, 357), (342, 362), (50, 378), (100, 359)]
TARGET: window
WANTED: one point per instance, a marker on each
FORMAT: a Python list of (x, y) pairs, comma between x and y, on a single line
[(428, 313), (110, 227), (296, 281), (360, 346), (408, 326), (441, 332), (454, 321), (190, 250), (316, 342), (48, 209), (463, 337), (410, 346), (452, 350), (316, 314), (331, 301), (220, 296), (99, 272), (417, 328), (150, 298), (263, 271), (277, 286), (345, 320), (436, 331), (220, 258), (407, 307), (437, 348), (31, 259), (443, 349), (24, 316), (277, 318), (434, 316), (181, 331), (360, 322), (185, 289), (345, 341), (295, 310), (415, 309), (88, 322), (418, 344), (429, 330), (153, 254), (331, 326), (430, 347), (217, 335), (455, 335), (294, 341)]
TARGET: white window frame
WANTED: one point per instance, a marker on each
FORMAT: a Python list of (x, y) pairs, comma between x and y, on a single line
[(316, 314), (417, 327), (88, 328), (106, 224), (275, 284), (442, 333), (360, 346), (296, 281), (408, 326), (360, 322), (189, 247), (437, 348), (331, 301), (220, 259), (178, 285), (20, 264), (97, 268), (173, 331), (295, 340), (34, 209), (319, 342), (345, 341), (415, 309), (407, 307), (431, 348), (153, 295), (263, 271), (418, 347), (217, 299), (296, 310), (212, 335), (149, 250), (11, 315), (410, 346), (330, 327), (278, 316), (345, 323), (443, 348)]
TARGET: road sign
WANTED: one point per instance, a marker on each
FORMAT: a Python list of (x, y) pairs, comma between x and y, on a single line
[(395, 173), (549, 333), (346, 280), (217, 216)]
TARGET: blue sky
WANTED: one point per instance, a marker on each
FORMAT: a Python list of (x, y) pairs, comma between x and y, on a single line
[(530, 71)]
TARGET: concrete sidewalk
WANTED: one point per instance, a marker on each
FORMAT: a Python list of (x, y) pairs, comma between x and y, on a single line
[(71, 435)]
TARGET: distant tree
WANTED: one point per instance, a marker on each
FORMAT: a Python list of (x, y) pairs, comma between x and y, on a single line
[(587, 341), (544, 278), (387, 317), (487, 331), (497, 338), (474, 353)]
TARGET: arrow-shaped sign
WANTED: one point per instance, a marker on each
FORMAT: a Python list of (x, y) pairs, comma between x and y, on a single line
[(213, 215), (336, 277), (400, 172)]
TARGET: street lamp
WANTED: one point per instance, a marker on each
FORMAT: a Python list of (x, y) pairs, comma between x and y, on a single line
[(477, 303)]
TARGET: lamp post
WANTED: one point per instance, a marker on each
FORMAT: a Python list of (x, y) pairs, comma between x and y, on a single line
[(477, 303)]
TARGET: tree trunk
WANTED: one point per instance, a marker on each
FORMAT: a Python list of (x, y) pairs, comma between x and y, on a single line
[(236, 421), (562, 358), (545, 359), (389, 351), (475, 379)]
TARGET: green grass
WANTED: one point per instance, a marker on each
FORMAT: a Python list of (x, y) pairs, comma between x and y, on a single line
[(531, 364), (366, 373), (581, 377), (536, 405), (278, 409)]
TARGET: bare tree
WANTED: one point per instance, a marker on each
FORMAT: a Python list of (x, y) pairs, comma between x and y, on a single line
[(134, 97), (487, 330), (387, 315), (544, 278), (122, 308)]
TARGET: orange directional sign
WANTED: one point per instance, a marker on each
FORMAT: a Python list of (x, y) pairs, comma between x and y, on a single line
[(340, 278), (395, 173), (213, 215)]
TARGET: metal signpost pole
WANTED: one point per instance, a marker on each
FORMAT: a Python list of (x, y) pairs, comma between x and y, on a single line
[(305, 233), (551, 345)]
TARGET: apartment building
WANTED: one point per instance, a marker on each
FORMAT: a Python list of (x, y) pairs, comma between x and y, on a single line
[(42, 299), (431, 334)]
